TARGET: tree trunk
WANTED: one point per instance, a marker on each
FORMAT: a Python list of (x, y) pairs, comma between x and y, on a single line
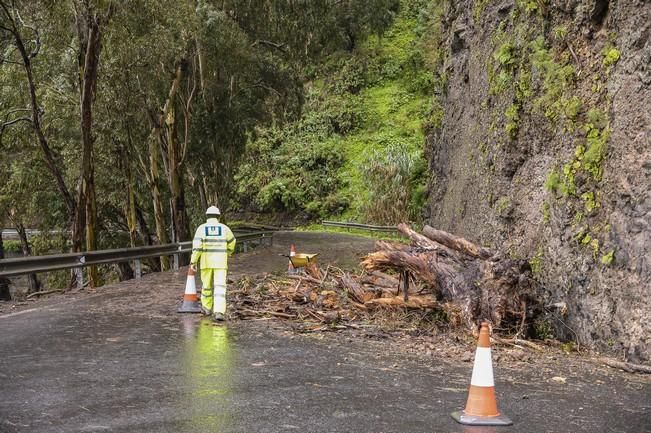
[(5, 294), (175, 179), (48, 154), (482, 284), (159, 216), (90, 45), (124, 271), (458, 244), (130, 206), (32, 281), (158, 137), (146, 237), (174, 164), (202, 195)]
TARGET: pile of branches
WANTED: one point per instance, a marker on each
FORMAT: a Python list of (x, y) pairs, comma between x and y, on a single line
[(319, 300), (439, 279)]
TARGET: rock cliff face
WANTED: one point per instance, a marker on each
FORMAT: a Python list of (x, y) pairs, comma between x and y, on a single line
[(545, 150)]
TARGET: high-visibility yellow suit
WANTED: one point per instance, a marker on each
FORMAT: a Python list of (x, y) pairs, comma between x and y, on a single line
[(212, 244)]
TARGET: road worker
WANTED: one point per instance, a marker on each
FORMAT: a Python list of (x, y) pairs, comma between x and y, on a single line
[(212, 244)]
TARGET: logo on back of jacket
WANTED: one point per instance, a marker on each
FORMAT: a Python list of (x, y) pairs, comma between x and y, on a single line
[(213, 231)]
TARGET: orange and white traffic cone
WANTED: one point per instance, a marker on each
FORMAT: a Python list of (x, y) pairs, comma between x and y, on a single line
[(190, 299), (481, 407), (290, 266)]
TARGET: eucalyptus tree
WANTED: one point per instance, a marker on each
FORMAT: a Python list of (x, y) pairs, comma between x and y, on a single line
[(90, 18), (21, 24)]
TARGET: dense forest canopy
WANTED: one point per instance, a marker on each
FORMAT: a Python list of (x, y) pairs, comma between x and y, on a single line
[(132, 116)]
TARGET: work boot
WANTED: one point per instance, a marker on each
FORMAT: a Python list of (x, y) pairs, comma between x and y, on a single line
[(218, 317), (205, 311)]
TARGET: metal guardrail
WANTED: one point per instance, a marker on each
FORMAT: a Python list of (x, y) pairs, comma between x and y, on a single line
[(386, 229), (56, 262), (9, 234)]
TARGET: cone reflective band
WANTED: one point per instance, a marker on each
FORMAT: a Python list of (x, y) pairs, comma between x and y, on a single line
[(481, 407), (292, 253), (190, 299)]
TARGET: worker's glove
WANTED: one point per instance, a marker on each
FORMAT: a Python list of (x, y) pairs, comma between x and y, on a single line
[(193, 266)]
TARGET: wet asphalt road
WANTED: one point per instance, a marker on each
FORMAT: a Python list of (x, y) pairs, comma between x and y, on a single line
[(65, 370)]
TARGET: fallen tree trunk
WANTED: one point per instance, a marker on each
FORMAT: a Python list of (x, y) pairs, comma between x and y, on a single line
[(415, 302), (446, 278), (482, 284), (626, 366), (458, 244)]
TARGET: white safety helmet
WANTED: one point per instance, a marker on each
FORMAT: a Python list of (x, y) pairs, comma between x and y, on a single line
[(213, 210)]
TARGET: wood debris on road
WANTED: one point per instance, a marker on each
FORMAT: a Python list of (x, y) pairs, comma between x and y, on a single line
[(438, 280)]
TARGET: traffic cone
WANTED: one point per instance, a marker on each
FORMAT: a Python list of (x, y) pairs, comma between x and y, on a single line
[(290, 266), (481, 407), (190, 299)]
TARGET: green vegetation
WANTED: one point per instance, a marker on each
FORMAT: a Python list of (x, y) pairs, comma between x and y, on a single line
[(557, 78), (394, 237), (546, 212), (562, 183), (568, 347), (595, 153), (363, 122), (528, 6), (559, 33), (543, 329), (590, 201), (172, 91), (572, 107), (536, 262), (11, 246), (534, 77), (512, 115), (611, 56), (503, 206), (608, 258), (478, 9)]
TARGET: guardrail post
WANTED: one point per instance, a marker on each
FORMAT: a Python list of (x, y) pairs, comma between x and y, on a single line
[(138, 265), (176, 262), (79, 274), (244, 246)]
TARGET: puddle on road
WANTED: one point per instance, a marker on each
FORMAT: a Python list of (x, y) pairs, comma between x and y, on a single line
[(209, 367)]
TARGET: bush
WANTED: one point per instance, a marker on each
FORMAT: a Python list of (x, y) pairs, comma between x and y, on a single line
[(298, 175), (396, 183), (11, 246)]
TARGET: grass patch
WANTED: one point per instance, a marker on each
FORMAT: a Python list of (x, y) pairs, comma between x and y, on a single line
[(316, 227)]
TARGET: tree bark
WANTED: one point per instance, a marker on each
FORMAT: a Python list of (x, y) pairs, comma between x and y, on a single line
[(457, 243), (202, 195), (33, 284), (159, 216), (175, 180), (130, 206), (458, 272), (5, 294), (90, 45), (174, 159), (156, 140)]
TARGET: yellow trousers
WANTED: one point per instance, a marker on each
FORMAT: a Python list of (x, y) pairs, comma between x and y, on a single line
[(213, 292)]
